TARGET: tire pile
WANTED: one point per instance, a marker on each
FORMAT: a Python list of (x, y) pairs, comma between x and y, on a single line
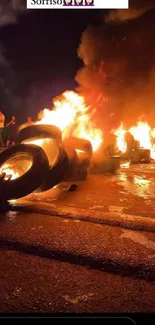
[(43, 175)]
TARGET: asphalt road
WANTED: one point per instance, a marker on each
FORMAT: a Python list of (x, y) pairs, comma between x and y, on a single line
[(129, 191), (47, 259), (33, 284), (113, 249)]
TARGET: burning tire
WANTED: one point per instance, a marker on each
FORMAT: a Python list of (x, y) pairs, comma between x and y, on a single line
[(71, 174), (40, 131), (57, 173), (32, 178), (141, 156), (80, 153), (107, 165), (81, 145), (83, 168)]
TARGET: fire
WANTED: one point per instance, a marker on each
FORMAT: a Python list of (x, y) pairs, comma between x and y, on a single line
[(121, 144), (70, 114), (15, 166), (8, 172), (38, 142), (142, 132)]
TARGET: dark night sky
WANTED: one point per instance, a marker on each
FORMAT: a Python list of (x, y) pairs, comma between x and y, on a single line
[(42, 48)]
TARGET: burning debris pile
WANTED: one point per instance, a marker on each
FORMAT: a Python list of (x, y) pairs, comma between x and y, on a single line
[(136, 144), (65, 145), (42, 160), (76, 136)]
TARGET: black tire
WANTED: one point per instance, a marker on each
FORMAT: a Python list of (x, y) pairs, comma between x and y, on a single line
[(31, 180), (40, 131), (71, 175), (80, 144), (57, 173), (108, 165), (115, 162)]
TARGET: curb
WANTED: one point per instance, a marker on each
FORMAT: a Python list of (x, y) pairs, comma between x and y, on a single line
[(95, 216)]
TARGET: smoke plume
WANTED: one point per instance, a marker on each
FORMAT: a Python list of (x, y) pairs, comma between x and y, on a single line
[(10, 9), (136, 9), (118, 76), (9, 13)]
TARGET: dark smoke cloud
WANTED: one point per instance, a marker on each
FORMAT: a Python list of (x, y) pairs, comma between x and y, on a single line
[(9, 13), (10, 9), (136, 9), (119, 64)]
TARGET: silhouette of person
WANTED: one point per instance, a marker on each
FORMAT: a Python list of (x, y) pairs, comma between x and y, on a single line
[(12, 132)]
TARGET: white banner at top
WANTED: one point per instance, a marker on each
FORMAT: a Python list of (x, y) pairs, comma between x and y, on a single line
[(77, 4)]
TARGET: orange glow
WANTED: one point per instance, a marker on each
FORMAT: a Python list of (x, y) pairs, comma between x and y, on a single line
[(70, 115), (8, 172), (142, 132), (38, 142), (121, 144)]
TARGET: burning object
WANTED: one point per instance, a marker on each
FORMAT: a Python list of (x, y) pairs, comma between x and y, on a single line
[(40, 131), (137, 143), (22, 184), (40, 162), (141, 156), (106, 159), (74, 118), (72, 145), (134, 153), (84, 152)]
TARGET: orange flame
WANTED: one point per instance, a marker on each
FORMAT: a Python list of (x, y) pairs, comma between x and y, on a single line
[(70, 114), (8, 172), (121, 144), (142, 132)]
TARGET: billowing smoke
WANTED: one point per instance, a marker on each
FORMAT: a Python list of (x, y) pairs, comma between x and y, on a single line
[(137, 9), (9, 12), (118, 76), (10, 9)]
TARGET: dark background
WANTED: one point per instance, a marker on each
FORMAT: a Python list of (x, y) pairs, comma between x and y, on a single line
[(42, 50)]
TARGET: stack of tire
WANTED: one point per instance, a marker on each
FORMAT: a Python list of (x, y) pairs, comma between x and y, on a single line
[(42, 176)]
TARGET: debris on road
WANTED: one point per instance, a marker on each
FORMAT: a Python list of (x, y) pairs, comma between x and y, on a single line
[(72, 188)]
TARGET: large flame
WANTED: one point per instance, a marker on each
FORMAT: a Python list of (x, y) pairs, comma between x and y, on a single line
[(142, 132), (74, 118), (70, 114), (121, 144)]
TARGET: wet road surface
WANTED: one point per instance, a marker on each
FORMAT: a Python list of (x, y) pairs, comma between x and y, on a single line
[(109, 248), (130, 191), (47, 260), (33, 284)]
